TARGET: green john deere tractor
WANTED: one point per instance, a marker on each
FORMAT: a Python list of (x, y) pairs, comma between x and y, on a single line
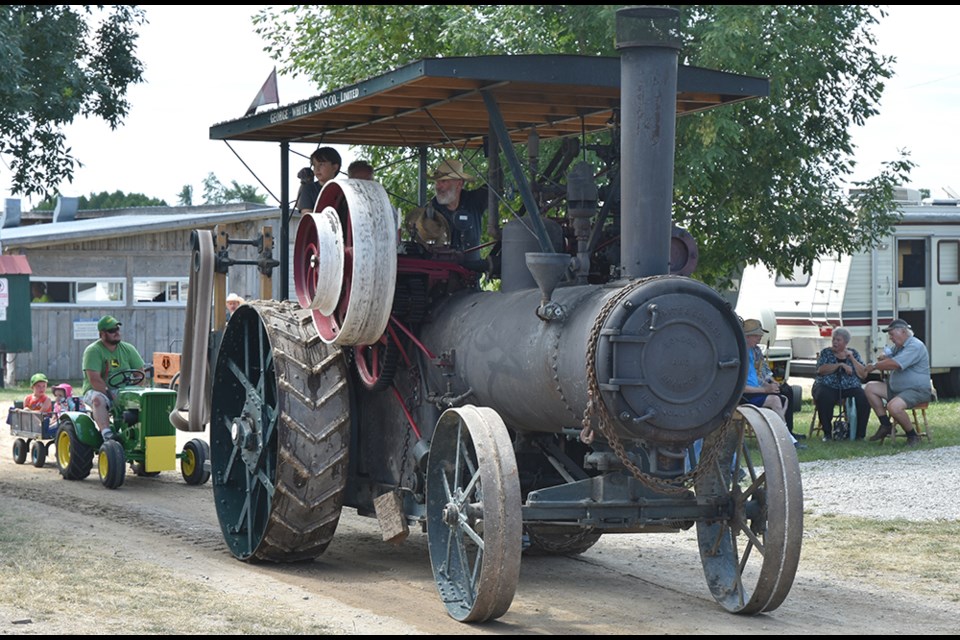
[(143, 437)]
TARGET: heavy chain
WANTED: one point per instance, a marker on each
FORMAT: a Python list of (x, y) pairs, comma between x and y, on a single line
[(596, 412)]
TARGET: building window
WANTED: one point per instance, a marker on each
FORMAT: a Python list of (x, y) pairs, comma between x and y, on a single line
[(80, 292), (167, 291), (948, 262)]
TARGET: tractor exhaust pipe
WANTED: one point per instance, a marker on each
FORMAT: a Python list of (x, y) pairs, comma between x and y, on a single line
[(648, 39)]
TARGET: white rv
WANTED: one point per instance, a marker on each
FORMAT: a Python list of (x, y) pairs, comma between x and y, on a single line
[(912, 274)]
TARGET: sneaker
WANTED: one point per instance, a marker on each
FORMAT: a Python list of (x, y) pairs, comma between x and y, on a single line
[(799, 446), (798, 436), (107, 434), (827, 439)]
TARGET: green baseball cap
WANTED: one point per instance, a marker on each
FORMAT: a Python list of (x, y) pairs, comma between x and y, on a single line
[(107, 323), (37, 377)]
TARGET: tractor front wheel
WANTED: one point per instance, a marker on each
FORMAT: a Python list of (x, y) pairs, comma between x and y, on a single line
[(112, 464), (193, 463)]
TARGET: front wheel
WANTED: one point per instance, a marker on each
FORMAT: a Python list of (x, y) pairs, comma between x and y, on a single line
[(193, 464), (474, 521), (750, 557), (112, 464)]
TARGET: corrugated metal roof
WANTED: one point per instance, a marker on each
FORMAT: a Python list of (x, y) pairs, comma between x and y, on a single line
[(14, 266), (126, 225)]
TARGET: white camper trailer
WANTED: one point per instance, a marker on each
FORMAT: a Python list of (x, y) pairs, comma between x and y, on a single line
[(912, 274)]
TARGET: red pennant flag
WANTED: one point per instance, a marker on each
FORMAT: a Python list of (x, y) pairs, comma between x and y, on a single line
[(267, 94)]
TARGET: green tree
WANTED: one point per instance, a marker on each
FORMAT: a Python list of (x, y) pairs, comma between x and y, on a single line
[(185, 197), (106, 200), (214, 192), (760, 181), (58, 62)]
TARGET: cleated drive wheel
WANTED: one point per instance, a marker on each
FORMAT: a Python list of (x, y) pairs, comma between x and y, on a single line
[(20, 450), (355, 309), (279, 434), (558, 541), (74, 458), (474, 522), (193, 462), (750, 559), (38, 453), (111, 464)]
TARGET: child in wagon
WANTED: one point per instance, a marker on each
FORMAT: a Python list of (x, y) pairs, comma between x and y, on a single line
[(64, 400), (38, 400)]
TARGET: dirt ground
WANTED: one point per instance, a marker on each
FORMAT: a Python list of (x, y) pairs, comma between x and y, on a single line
[(625, 584)]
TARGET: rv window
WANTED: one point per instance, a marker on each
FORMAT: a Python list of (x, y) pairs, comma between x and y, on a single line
[(912, 264), (948, 262), (799, 278)]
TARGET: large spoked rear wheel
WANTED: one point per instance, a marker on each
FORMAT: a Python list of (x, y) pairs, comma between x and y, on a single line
[(750, 559), (474, 522), (279, 434), (74, 458)]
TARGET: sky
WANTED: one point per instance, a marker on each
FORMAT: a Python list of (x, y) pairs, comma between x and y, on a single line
[(204, 65)]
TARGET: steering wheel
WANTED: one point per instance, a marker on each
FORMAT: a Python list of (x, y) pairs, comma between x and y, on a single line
[(125, 378)]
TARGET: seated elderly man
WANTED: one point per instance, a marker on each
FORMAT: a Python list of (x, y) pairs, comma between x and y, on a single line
[(760, 388), (908, 363)]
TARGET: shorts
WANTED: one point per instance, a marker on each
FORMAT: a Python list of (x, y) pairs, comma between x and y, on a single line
[(89, 396), (758, 399), (912, 397)]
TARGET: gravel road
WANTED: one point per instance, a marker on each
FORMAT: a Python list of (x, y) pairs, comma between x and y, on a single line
[(920, 484)]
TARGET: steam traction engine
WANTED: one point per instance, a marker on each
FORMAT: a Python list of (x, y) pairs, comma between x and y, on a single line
[(593, 394)]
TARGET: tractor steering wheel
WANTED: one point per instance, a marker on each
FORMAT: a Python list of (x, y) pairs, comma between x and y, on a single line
[(125, 378)]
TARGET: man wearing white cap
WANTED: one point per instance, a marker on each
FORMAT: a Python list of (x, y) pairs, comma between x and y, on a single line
[(908, 362)]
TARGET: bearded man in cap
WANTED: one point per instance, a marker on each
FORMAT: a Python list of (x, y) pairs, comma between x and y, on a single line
[(101, 359), (454, 215), (908, 363)]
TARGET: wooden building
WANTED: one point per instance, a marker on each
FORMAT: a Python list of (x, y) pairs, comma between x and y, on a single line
[(133, 264)]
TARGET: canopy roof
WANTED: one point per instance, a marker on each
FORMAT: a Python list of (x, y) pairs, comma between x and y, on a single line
[(438, 102)]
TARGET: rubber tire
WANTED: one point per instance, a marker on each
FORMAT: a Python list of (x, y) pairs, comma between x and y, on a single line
[(20, 450), (74, 458), (38, 453), (552, 543), (196, 453), (112, 464)]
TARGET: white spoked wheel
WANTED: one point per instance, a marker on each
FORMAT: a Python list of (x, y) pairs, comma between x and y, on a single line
[(362, 309), (750, 557), (318, 274)]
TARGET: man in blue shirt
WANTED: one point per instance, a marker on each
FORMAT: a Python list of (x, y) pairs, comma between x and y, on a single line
[(908, 362)]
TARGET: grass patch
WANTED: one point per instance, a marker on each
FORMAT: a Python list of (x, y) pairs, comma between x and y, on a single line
[(896, 555), (50, 579), (943, 420)]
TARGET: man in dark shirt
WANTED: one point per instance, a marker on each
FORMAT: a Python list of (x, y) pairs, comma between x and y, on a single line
[(463, 210)]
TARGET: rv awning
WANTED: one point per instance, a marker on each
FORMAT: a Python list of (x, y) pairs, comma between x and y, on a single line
[(438, 102)]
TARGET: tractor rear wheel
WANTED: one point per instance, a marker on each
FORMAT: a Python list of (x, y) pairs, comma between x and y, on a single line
[(279, 434), (74, 458)]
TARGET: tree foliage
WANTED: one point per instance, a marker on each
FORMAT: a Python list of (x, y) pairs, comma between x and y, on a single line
[(106, 200), (761, 181), (58, 62), (215, 192)]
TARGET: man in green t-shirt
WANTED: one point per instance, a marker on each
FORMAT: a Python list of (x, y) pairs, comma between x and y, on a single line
[(101, 359)]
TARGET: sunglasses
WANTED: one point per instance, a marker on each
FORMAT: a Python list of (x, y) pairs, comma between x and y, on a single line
[(116, 330)]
